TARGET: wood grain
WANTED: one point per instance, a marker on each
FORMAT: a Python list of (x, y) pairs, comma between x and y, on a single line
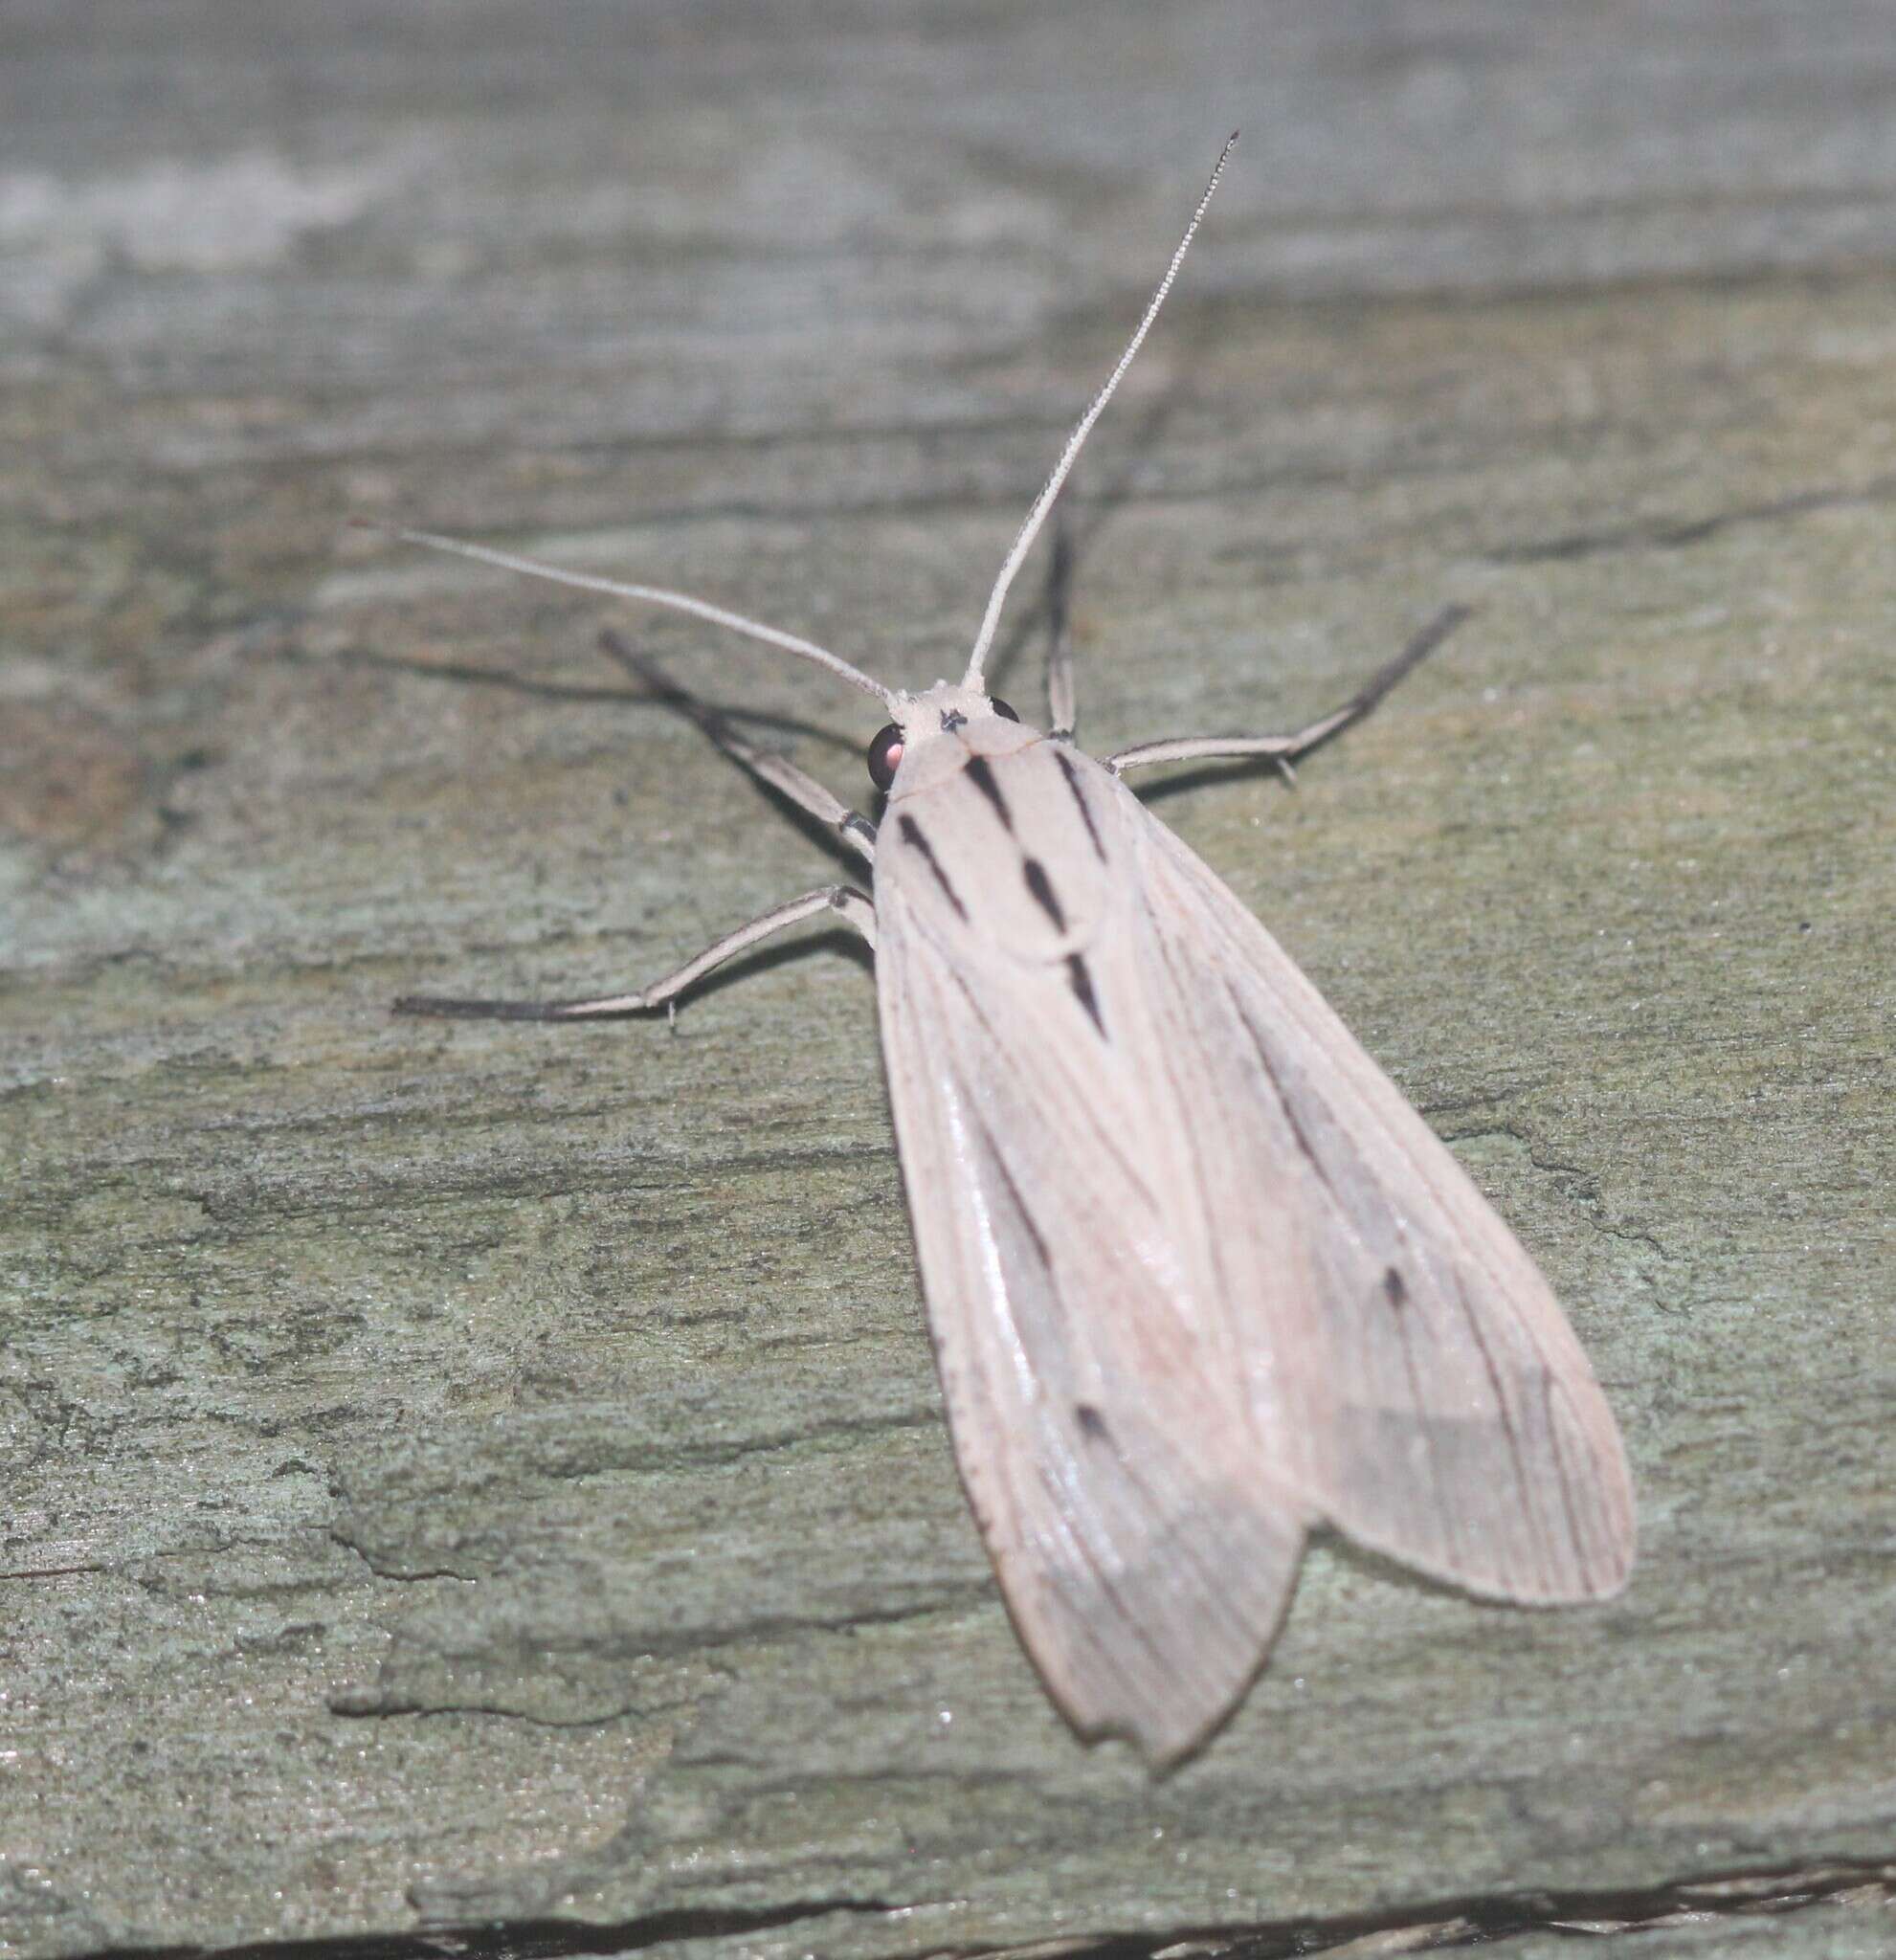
[(501, 1465)]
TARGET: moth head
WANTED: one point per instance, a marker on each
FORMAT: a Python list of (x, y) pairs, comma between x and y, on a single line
[(934, 733)]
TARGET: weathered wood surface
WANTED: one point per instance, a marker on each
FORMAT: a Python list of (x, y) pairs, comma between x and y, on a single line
[(506, 1459)]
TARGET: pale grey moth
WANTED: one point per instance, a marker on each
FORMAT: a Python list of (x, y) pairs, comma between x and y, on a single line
[(1200, 1280)]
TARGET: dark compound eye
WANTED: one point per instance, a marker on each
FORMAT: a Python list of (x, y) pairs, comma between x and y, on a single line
[(885, 756), (1001, 708)]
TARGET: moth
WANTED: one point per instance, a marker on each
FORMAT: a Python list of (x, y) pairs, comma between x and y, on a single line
[(1200, 1280)]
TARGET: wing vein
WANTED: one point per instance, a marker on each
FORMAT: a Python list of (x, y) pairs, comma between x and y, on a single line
[(1431, 1444), (1505, 1418), (1076, 1097), (1215, 1240), (1560, 1473)]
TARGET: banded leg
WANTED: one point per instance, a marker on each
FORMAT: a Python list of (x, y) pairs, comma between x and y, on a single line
[(1062, 710), (852, 905), (1284, 749), (777, 771)]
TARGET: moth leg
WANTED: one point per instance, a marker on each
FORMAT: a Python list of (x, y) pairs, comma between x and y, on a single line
[(852, 905), (1284, 749), (781, 775), (1062, 710)]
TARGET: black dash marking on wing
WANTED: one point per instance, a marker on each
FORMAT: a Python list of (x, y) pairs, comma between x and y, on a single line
[(1042, 888), (1082, 983), (1072, 777), (911, 833), (951, 720), (983, 779), (1394, 1290), (1296, 1130), (1092, 1424)]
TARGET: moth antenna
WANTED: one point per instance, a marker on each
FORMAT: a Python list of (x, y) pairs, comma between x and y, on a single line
[(650, 595), (1044, 502)]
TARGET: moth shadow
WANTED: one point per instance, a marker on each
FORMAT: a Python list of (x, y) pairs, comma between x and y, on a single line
[(585, 694), (1083, 521), (838, 941), (1209, 775), (1366, 1563)]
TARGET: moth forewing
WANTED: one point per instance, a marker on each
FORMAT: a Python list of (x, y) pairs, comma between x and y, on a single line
[(1100, 1424), (1424, 1389), (1198, 1277)]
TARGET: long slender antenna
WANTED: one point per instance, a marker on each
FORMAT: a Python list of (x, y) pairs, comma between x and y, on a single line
[(1044, 502), (652, 596)]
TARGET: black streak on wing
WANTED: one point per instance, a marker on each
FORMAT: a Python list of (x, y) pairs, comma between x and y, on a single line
[(983, 779), (911, 833), (1042, 888), (1082, 983), (1394, 1290), (1072, 777)]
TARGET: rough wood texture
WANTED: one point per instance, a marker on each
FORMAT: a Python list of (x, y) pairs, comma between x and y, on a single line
[(505, 1461)]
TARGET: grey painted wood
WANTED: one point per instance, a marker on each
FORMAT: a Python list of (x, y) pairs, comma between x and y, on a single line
[(506, 1459)]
